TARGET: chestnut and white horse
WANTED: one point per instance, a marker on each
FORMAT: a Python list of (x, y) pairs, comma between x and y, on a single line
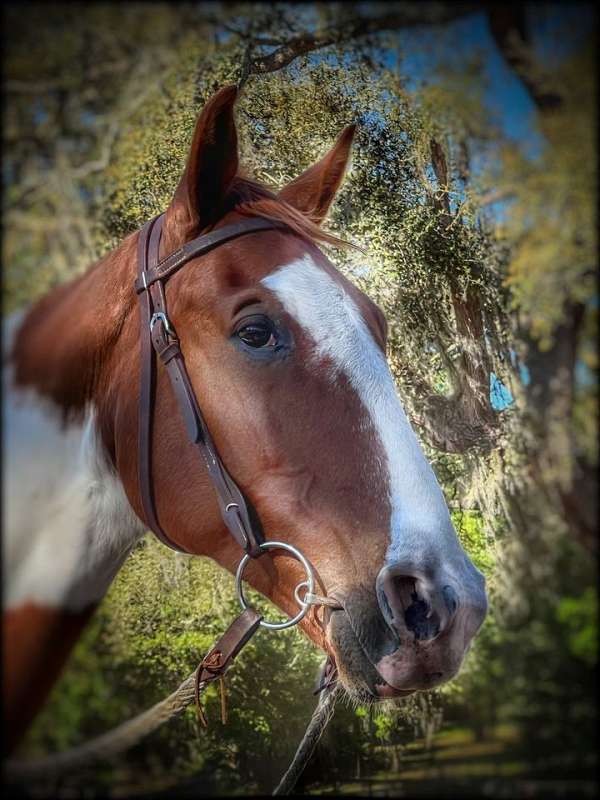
[(287, 359)]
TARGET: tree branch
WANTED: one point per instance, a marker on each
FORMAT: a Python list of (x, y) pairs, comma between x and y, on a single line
[(464, 420), (408, 16), (101, 163), (509, 30)]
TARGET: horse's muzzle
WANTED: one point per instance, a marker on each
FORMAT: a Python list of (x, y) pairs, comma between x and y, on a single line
[(411, 634), (435, 616)]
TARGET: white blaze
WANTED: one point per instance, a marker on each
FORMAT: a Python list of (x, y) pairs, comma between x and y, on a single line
[(420, 520)]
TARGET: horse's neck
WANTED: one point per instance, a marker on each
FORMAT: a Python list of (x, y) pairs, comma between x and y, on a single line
[(65, 338), (67, 523)]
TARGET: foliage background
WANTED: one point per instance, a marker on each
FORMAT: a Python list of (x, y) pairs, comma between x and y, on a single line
[(479, 227)]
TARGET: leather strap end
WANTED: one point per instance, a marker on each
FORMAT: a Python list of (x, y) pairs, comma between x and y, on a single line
[(169, 352), (216, 663), (253, 549), (186, 401)]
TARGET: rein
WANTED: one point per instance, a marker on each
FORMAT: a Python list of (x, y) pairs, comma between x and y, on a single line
[(129, 733)]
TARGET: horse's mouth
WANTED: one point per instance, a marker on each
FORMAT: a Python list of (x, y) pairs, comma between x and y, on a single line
[(328, 676), (387, 692), (353, 666)]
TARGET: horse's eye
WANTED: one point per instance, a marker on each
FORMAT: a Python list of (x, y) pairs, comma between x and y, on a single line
[(257, 333)]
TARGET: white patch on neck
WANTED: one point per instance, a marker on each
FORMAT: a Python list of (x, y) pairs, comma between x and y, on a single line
[(420, 522), (66, 521)]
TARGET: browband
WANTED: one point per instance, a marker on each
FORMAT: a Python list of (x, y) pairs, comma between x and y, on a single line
[(196, 247)]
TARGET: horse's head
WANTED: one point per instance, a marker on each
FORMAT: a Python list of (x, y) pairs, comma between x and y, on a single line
[(287, 359)]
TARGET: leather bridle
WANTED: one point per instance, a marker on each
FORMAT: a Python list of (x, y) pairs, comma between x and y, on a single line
[(158, 338)]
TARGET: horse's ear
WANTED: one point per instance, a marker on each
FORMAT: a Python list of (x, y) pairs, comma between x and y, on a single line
[(211, 166), (314, 190)]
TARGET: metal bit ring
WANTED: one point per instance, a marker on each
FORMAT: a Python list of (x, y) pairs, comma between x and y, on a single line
[(309, 583)]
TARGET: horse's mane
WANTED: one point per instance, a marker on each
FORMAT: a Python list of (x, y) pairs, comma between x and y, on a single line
[(251, 198)]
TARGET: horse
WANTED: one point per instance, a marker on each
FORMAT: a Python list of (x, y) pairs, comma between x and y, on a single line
[(287, 358)]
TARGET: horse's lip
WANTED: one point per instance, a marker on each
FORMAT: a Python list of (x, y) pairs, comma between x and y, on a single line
[(386, 692), (381, 691)]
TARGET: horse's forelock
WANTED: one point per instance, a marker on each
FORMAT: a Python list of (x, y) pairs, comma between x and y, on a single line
[(252, 199)]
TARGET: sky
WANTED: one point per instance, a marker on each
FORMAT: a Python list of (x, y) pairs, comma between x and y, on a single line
[(556, 29)]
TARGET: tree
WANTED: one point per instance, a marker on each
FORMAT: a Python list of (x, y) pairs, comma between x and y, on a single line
[(99, 150)]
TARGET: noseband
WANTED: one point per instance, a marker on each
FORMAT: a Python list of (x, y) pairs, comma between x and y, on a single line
[(158, 337)]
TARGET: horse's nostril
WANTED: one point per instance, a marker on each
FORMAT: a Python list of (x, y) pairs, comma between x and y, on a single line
[(421, 619), (415, 604), (408, 606)]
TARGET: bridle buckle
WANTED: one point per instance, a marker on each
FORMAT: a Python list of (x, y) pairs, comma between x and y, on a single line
[(160, 316)]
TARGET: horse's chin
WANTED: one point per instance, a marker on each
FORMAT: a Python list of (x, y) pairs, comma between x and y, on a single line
[(361, 681)]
